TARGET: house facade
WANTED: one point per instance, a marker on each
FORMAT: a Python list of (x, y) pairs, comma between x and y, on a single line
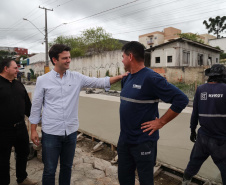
[(19, 51), (183, 53), (156, 38), (168, 34)]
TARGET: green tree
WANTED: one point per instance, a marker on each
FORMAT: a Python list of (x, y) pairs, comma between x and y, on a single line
[(98, 40), (222, 54), (191, 36), (91, 41), (216, 25)]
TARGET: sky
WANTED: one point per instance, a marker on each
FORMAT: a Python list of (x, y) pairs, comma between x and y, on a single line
[(124, 19)]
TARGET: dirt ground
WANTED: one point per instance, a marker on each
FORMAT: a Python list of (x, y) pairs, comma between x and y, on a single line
[(163, 178)]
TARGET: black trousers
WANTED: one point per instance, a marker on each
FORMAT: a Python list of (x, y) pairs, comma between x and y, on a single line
[(17, 137), (141, 157), (203, 148)]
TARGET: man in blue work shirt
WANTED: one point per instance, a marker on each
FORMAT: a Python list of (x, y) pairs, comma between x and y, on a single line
[(139, 115), (209, 109), (57, 92)]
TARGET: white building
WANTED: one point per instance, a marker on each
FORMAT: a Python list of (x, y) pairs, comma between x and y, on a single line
[(183, 53), (40, 57), (221, 42)]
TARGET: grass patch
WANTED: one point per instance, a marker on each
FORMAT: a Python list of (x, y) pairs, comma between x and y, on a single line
[(116, 86)]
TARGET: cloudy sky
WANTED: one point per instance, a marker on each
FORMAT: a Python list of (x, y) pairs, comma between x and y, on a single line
[(124, 19)]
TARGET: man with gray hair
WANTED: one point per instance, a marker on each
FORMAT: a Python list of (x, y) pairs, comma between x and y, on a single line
[(15, 103), (209, 109)]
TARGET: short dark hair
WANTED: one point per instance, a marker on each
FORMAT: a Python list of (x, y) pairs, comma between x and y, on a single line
[(136, 48), (6, 62), (56, 49)]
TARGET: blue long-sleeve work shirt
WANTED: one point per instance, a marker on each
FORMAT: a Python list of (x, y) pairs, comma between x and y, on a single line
[(140, 95), (209, 109)]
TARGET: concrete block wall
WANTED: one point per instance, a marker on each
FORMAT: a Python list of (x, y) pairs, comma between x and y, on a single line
[(187, 75), (95, 65)]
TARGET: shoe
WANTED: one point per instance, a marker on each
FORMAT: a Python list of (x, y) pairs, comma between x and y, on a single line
[(28, 181), (186, 182)]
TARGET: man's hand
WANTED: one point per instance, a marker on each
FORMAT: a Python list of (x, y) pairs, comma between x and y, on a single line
[(152, 125), (125, 74), (193, 136), (34, 134), (35, 137), (115, 79)]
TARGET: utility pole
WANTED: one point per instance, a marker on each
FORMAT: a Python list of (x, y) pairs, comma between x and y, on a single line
[(46, 69)]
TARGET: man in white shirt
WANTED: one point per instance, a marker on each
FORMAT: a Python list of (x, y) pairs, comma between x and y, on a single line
[(57, 93)]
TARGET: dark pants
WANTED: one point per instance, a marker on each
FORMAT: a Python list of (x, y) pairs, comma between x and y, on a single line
[(141, 157), (17, 137), (53, 148), (203, 148)]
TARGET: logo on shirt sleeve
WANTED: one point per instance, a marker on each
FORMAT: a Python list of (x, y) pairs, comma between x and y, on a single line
[(136, 86), (204, 96)]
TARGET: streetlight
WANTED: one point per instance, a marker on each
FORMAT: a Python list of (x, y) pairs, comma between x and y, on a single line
[(33, 25), (46, 40), (46, 69), (57, 27)]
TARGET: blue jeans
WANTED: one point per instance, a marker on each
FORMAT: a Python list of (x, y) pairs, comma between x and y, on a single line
[(141, 157), (204, 147), (54, 147)]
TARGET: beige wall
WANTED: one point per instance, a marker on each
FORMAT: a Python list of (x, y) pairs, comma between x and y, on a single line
[(96, 65), (157, 38), (207, 37), (38, 68), (171, 33)]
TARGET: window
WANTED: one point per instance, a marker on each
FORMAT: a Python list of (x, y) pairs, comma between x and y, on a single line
[(209, 60), (200, 59), (186, 57), (150, 40), (216, 60), (169, 59), (157, 59)]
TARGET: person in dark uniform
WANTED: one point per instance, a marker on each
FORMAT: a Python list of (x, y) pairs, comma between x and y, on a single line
[(139, 115), (209, 109), (15, 103), (19, 75)]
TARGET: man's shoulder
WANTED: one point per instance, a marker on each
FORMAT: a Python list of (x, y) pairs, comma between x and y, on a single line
[(19, 83), (45, 76), (74, 74), (152, 76), (151, 73)]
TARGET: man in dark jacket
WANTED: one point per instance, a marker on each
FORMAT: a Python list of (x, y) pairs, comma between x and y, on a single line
[(15, 103), (209, 108), (139, 115)]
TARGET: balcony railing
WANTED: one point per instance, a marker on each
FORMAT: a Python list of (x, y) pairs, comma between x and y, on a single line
[(150, 42)]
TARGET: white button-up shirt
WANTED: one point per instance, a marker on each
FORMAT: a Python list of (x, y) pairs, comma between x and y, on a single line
[(58, 99)]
